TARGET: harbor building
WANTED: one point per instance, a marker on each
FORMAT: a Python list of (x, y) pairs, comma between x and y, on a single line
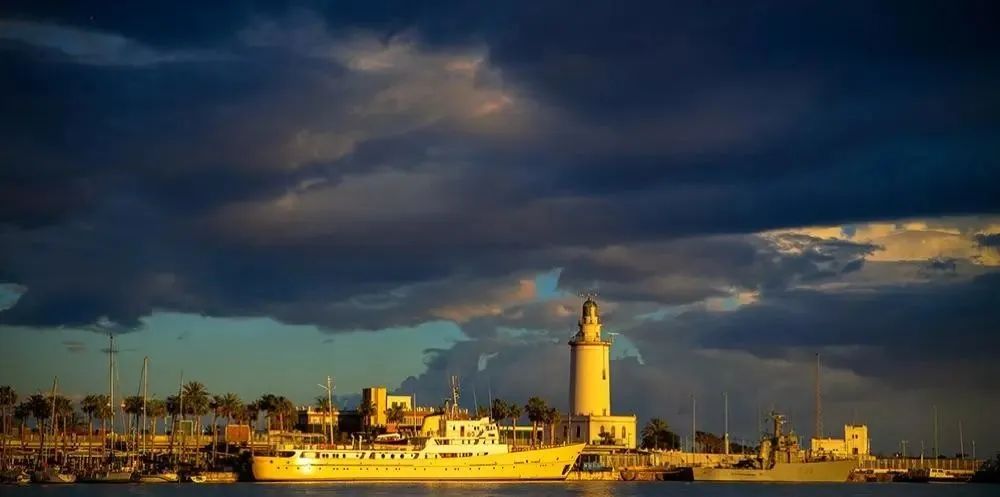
[(381, 400), (590, 417), (855, 444)]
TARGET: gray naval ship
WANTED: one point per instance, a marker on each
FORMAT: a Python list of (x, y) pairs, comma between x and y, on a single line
[(780, 459)]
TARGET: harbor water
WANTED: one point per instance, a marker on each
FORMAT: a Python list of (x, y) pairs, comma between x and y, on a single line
[(564, 489)]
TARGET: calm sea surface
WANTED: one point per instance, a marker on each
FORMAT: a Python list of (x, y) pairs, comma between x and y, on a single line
[(574, 489)]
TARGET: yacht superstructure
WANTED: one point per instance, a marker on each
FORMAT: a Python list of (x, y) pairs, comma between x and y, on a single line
[(446, 449)]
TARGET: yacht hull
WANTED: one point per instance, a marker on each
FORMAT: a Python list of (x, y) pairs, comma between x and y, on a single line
[(552, 463)]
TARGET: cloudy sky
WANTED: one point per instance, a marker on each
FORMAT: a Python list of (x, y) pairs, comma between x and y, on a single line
[(257, 196)]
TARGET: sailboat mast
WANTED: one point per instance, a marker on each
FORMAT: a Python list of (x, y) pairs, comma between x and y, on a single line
[(145, 372), (111, 384), (725, 422), (694, 430), (936, 449), (55, 381), (180, 394), (818, 430), (961, 440)]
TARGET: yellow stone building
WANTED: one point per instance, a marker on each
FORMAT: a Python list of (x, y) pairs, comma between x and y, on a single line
[(590, 418), (380, 398), (854, 444)]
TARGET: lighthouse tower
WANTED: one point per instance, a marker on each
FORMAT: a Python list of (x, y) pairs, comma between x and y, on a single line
[(590, 366), (590, 419)]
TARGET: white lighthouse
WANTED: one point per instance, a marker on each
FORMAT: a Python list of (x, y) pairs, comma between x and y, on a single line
[(590, 419)]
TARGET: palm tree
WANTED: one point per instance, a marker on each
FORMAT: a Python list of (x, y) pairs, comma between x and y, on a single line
[(102, 411), (499, 410), (89, 405), (366, 409), (133, 407), (64, 413), (215, 404), (195, 402), (657, 435), (395, 415), (251, 411), (267, 403), (155, 409), (514, 413), (535, 409), (8, 399), (21, 413), (286, 411), (230, 406), (551, 417), (173, 406), (41, 409)]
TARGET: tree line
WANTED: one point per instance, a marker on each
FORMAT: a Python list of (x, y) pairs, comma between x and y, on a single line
[(59, 415)]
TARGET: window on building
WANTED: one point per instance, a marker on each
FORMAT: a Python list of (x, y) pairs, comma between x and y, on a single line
[(577, 432), (623, 433)]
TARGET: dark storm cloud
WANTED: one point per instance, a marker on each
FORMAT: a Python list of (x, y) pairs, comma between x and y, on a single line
[(899, 330), (331, 164)]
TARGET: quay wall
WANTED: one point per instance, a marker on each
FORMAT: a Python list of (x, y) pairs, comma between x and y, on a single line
[(898, 464)]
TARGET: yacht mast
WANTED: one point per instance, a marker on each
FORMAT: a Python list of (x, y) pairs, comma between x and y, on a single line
[(55, 382), (145, 372), (111, 385)]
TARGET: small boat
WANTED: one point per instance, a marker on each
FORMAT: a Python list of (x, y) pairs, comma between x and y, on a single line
[(52, 474), (156, 477), (14, 476), (948, 476), (215, 477), (108, 476), (391, 439)]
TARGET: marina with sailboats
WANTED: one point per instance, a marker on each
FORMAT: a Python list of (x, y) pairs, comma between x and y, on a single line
[(388, 437)]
